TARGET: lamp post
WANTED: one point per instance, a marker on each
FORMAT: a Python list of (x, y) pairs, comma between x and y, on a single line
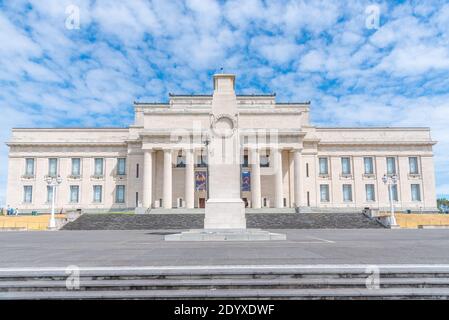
[(206, 143), (390, 181), (53, 182)]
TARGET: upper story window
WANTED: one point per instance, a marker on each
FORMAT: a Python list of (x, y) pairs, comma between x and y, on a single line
[(264, 161), (323, 166), (370, 194), (99, 167), (76, 167), (394, 192), (201, 161), (180, 160), (53, 167), (29, 167), (368, 165), (391, 165), (346, 165), (245, 163), (413, 165), (74, 194), (121, 166)]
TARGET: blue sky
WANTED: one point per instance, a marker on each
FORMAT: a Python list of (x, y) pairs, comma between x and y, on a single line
[(322, 51)]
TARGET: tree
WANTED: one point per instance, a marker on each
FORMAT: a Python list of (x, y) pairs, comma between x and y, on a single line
[(443, 205)]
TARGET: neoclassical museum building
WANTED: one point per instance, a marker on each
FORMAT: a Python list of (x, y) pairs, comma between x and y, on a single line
[(161, 161)]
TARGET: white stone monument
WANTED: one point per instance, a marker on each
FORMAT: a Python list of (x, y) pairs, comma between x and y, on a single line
[(225, 210)]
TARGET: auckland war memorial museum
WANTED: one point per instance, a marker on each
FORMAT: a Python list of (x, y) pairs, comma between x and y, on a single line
[(161, 162)]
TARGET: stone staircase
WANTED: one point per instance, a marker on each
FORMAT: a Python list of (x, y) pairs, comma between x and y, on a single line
[(230, 282), (315, 220)]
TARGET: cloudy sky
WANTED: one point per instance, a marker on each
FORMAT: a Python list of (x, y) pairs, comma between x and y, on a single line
[(54, 72)]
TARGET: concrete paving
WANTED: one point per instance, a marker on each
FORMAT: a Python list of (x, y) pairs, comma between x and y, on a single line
[(147, 248)]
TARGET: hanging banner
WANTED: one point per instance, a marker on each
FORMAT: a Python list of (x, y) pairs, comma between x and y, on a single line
[(246, 181), (200, 180)]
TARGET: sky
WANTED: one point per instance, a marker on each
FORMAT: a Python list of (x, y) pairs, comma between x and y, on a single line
[(360, 63)]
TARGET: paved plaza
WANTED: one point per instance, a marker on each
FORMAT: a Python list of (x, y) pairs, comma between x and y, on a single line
[(147, 248)]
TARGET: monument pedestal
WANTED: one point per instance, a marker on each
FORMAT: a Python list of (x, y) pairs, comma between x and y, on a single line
[(225, 213), (225, 235)]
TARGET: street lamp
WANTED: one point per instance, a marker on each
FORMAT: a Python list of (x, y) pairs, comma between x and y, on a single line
[(390, 181), (53, 182)]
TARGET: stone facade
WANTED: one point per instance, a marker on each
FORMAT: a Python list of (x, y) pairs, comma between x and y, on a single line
[(290, 162)]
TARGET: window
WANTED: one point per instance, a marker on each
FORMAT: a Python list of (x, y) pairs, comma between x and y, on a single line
[(245, 161), (394, 192), (264, 161), (27, 194), (121, 166), (137, 199), (120, 194), (99, 166), (345, 165), (413, 165), (368, 164), (98, 193), (202, 161), (53, 167), (49, 194), (76, 167), (347, 192), (391, 165), (416, 192), (29, 167), (180, 161), (307, 170), (324, 193), (370, 195), (324, 169), (137, 171), (74, 194)]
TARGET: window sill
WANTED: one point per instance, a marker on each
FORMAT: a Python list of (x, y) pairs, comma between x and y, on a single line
[(28, 177), (414, 176), (369, 176)]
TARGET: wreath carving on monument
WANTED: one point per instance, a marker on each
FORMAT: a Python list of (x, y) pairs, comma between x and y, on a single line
[(223, 125)]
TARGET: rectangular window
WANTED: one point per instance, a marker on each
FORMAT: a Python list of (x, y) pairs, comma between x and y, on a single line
[(76, 167), (120, 194), (347, 192), (324, 193), (98, 194), (264, 161), (370, 195), (368, 164), (416, 192), (307, 170), (202, 161), (49, 194), (324, 168), (245, 161), (137, 170), (29, 167), (52, 167), (345, 165), (394, 192), (27, 194), (74, 194), (121, 166), (413, 164), (99, 166), (391, 165), (180, 161)]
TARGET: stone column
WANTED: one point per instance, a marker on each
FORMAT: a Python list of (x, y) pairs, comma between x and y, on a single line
[(147, 179), (167, 197), (278, 183), (189, 183), (255, 178), (297, 176)]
